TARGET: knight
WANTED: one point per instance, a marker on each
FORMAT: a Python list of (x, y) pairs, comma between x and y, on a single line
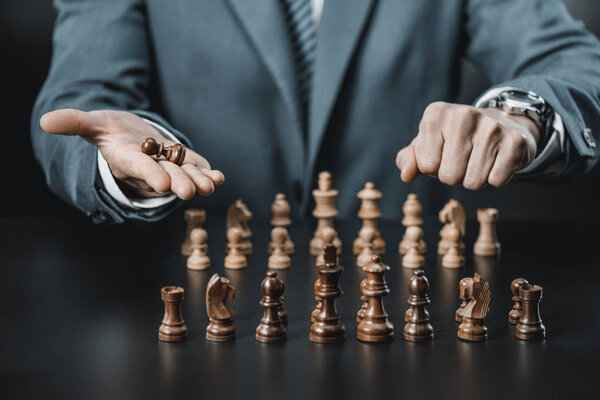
[(478, 294), (239, 216), (220, 316), (454, 219)]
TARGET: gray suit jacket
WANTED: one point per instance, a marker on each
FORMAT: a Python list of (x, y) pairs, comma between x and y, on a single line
[(220, 75)]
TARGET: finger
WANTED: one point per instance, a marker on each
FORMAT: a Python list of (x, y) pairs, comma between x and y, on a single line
[(407, 163), (73, 122), (204, 185), (214, 175), (181, 184), (458, 132), (483, 157), (512, 155), (145, 168), (429, 143)]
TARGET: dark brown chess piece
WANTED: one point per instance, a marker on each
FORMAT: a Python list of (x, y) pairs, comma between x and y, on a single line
[(271, 328), (363, 308), (328, 235), (515, 313), (239, 216), (281, 218), (478, 295), (418, 328), (195, 218), (464, 286), (174, 154), (530, 325), (327, 326), (173, 328), (375, 326), (220, 327)]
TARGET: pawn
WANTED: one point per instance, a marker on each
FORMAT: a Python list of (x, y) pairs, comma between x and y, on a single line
[(271, 328), (487, 244), (412, 210), (515, 313), (360, 315), (199, 259), (367, 237), (281, 217), (195, 218), (279, 260), (375, 326), (413, 259), (235, 259), (418, 328), (412, 235), (328, 236), (530, 325), (174, 154), (173, 328), (453, 257)]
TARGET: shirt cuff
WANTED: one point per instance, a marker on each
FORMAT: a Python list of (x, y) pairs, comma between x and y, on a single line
[(110, 184)]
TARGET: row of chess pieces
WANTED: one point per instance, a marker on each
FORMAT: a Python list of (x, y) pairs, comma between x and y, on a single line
[(368, 243), (373, 324)]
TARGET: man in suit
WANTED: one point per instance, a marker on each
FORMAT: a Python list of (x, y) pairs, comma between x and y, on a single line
[(273, 91)]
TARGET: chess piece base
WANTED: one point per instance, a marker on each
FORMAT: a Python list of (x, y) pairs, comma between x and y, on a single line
[(444, 246), (279, 262), (530, 332), (418, 333), (220, 331), (413, 262), (472, 330), (513, 317), (270, 333), (326, 333), (404, 246), (486, 249), (453, 261), (198, 265), (375, 333), (236, 262), (171, 334)]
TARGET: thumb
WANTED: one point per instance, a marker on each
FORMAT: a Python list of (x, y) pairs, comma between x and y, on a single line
[(73, 122), (407, 164)]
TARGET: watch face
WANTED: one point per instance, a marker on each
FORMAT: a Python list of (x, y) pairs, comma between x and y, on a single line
[(521, 99)]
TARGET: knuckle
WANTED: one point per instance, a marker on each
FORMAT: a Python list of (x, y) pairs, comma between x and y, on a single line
[(517, 144), (473, 183), (497, 180), (449, 177)]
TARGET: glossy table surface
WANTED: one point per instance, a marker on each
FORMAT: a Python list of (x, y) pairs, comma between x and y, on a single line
[(81, 310)]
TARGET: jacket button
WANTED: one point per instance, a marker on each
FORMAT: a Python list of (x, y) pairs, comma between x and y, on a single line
[(589, 139), (298, 191)]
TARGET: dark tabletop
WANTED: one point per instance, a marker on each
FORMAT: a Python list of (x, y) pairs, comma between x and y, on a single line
[(81, 308)]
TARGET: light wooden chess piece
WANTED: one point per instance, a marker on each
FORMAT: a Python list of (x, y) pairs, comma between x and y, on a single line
[(369, 213), (281, 218), (413, 259), (515, 313), (235, 259), (325, 212), (487, 244), (412, 235), (279, 260), (172, 329), (199, 259), (328, 235), (478, 295), (374, 325), (418, 328), (367, 237), (453, 257), (454, 219), (271, 328), (239, 216), (195, 218), (464, 287), (220, 316), (412, 220)]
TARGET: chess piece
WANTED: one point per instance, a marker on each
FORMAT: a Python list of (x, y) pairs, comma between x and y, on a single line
[(418, 328), (239, 216), (515, 313), (412, 235), (271, 328), (173, 328), (412, 241), (367, 237), (487, 244), (464, 286), (413, 222), (281, 218), (327, 325), (174, 154), (325, 212), (530, 325), (369, 212), (220, 316), (328, 235), (478, 295), (235, 259), (453, 257), (195, 218), (199, 259), (375, 326), (360, 315), (279, 260), (454, 219)]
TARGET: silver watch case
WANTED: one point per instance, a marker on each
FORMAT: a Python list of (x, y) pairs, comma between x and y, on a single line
[(527, 104)]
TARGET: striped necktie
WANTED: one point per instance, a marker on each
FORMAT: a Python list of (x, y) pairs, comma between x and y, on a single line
[(303, 36)]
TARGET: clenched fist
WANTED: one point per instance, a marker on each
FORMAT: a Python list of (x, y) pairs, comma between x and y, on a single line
[(119, 135), (468, 146)]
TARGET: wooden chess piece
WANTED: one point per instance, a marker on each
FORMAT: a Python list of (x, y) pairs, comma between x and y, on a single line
[(174, 154), (235, 259), (530, 326), (281, 218), (454, 219), (279, 260), (515, 313), (411, 241), (220, 316), (173, 328), (487, 244), (412, 221), (199, 259), (453, 257), (328, 235), (418, 328), (369, 213), (325, 212), (375, 326), (360, 315), (327, 326), (239, 216), (195, 218), (464, 287), (412, 235), (478, 295), (271, 328), (367, 237)]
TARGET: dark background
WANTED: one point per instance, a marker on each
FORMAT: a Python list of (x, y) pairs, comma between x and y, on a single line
[(25, 43)]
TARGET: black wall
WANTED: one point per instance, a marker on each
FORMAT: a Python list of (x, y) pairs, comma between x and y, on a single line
[(25, 48)]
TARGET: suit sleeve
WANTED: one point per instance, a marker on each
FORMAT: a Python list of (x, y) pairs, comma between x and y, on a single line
[(101, 60), (536, 45)]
